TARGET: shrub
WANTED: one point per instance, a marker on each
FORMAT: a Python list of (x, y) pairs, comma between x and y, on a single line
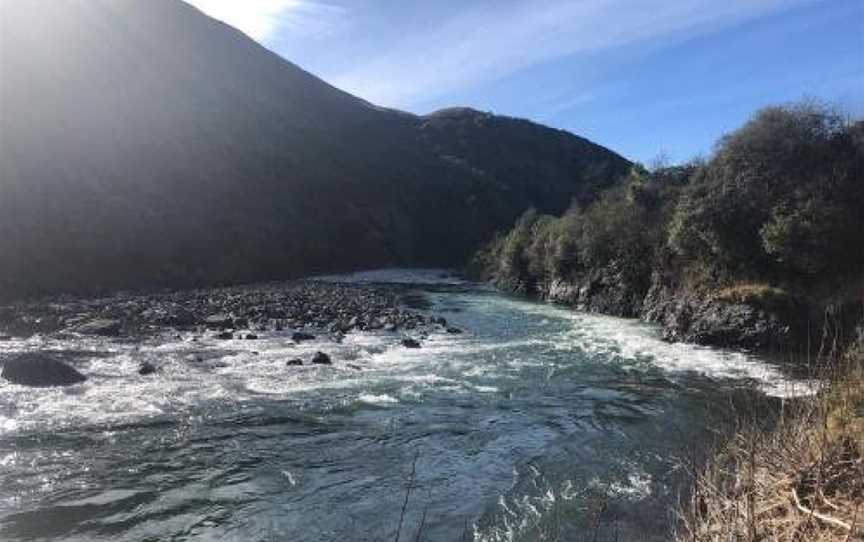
[(783, 194)]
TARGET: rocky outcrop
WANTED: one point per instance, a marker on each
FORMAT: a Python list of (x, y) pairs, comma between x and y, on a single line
[(612, 290), (685, 314), (602, 295), (40, 371), (704, 317)]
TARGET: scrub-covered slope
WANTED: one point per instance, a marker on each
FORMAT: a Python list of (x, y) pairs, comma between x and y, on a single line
[(143, 144)]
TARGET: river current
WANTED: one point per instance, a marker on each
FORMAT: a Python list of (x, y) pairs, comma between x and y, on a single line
[(536, 423)]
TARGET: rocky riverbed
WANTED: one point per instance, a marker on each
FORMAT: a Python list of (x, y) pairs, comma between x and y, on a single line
[(526, 426), (306, 310)]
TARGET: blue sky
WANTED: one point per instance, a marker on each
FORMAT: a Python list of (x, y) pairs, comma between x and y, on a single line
[(642, 77)]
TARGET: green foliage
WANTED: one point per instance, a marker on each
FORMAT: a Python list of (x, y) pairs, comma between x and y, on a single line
[(781, 201), (620, 231), (783, 195)]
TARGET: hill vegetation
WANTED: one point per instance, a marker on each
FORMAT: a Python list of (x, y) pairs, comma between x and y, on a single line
[(761, 246)]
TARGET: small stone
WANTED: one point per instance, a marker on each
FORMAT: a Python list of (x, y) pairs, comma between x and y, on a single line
[(320, 358), (410, 343), (146, 368), (454, 330), (251, 337), (294, 362), (300, 336), (225, 336)]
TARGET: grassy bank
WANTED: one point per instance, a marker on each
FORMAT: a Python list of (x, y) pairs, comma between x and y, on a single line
[(800, 481)]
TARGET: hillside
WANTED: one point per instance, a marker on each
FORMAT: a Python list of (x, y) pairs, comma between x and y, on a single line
[(144, 144)]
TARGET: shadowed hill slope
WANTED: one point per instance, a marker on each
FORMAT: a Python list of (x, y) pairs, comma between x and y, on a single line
[(145, 144)]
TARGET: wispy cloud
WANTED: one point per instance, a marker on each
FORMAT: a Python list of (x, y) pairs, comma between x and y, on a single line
[(262, 19), (481, 44)]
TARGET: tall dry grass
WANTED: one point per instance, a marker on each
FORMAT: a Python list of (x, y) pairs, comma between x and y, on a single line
[(802, 481)]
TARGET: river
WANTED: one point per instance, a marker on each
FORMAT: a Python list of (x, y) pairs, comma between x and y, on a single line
[(536, 423)]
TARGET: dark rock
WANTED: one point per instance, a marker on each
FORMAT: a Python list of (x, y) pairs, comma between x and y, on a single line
[(294, 362), (180, 318), (251, 337), (735, 325), (320, 358), (40, 371), (5, 338), (454, 330), (225, 336), (300, 336), (102, 327), (146, 368), (708, 320), (374, 324), (440, 320), (410, 343)]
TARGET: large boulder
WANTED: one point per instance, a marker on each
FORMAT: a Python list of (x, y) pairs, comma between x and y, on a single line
[(40, 371), (103, 327)]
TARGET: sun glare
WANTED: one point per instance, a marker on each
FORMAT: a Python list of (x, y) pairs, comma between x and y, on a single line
[(257, 18)]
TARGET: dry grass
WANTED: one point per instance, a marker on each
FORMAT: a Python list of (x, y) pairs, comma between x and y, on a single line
[(802, 481), (755, 294)]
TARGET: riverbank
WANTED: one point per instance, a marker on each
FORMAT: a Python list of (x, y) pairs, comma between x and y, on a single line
[(327, 308), (803, 480), (316, 312)]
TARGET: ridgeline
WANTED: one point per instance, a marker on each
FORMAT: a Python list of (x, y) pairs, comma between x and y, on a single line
[(144, 144)]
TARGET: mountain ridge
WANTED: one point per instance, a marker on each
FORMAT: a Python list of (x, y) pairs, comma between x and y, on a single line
[(144, 144)]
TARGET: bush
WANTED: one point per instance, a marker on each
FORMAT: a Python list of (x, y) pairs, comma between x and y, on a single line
[(783, 195), (621, 230)]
